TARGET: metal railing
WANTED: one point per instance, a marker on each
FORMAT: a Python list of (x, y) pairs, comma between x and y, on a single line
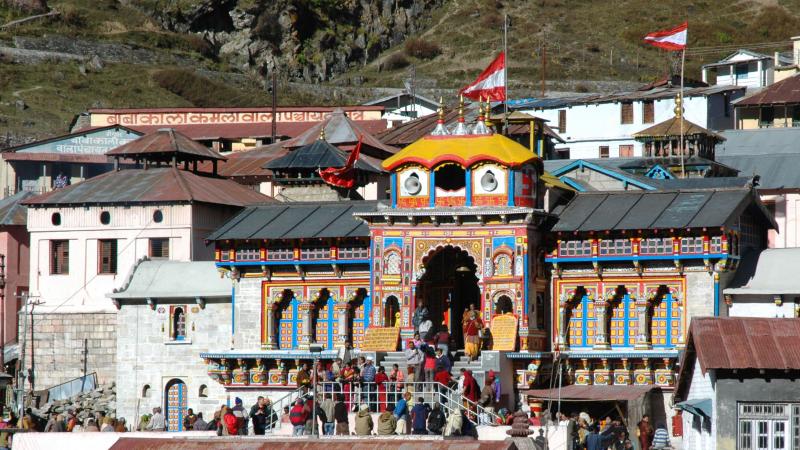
[(274, 422)]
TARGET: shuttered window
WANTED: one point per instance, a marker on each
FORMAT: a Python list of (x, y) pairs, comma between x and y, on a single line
[(59, 257), (648, 112), (159, 247), (625, 151), (603, 151), (107, 256), (626, 113), (562, 121)]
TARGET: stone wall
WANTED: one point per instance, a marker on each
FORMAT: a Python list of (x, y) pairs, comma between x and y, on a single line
[(248, 314), (58, 346)]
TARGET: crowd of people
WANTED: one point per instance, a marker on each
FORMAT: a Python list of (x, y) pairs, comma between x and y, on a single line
[(587, 433)]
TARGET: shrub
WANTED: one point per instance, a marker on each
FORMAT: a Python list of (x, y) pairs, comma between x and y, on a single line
[(492, 20), (201, 91), (395, 61), (422, 49)]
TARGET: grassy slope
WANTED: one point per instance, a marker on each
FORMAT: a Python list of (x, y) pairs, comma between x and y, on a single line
[(580, 36), (586, 39)]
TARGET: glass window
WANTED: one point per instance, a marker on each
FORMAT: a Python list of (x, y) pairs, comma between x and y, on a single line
[(159, 247), (648, 111), (626, 113), (318, 252), (692, 245), (575, 248), (280, 253), (656, 246), (178, 324), (354, 252), (745, 434), (248, 252)]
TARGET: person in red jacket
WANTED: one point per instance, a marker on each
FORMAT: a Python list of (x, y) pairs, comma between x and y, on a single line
[(380, 380), (298, 416), (471, 390), (231, 422)]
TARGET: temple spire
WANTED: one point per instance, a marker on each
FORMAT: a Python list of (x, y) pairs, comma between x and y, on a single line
[(461, 127), (440, 129), (480, 125)]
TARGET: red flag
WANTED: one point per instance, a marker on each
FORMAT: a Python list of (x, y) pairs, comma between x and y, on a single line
[(343, 177), (674, 39), (491, 83)]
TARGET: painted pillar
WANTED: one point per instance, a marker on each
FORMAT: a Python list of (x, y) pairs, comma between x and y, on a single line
[(304, 308), (643, 334), (272, 342), (601, 339), (563, 322), (343, 309)]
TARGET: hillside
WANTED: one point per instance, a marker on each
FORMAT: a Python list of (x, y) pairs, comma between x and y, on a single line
[(148, 53)]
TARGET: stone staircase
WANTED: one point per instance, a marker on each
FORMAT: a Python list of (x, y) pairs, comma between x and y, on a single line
[(459, 361)]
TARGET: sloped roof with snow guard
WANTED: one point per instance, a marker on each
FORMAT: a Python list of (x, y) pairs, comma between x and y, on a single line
[(163, 279)]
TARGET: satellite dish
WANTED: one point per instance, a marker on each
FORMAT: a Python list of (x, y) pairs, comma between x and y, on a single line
[(488, 181), (412, 184)]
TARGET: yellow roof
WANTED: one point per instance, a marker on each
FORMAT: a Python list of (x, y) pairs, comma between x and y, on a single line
[(553, 181), (465, 150)]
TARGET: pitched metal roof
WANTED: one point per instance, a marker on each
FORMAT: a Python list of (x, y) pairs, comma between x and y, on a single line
[(79, 133), (154, 185), (775, 171), (319, 154), (165, 142), (649, 94), (638, 210), (759, 141), (775, 274), (745, 343), (671, 128), (783, 92), (12, 209), (163, 279), (339, 129), (297, 221), (251, 163)]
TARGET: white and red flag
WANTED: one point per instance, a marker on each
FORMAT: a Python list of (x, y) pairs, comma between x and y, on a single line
[(491, 83), (674, 39), (343, 177)]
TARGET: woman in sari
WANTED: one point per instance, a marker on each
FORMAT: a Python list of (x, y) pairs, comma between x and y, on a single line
[(380, 380), (347, 375), (472, 340)]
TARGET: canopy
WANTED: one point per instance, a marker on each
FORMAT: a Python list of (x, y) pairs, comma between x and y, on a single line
[(697, 406), (465, 150), (590, 393)]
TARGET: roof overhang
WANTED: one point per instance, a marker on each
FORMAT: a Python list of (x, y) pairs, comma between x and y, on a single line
[(697, 406)]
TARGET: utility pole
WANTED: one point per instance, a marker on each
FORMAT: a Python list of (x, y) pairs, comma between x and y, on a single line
[(544, 65), (274, 106), (23, 348), (85, 363), (3, 313)]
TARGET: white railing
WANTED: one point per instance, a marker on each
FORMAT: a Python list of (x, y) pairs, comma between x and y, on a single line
[(274, 421)]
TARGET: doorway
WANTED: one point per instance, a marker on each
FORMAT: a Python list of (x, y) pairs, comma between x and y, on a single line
[(447, 288), (176, 402), (390, 311)]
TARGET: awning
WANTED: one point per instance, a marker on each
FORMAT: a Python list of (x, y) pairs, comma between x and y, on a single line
[(697, 406), (590, 393)]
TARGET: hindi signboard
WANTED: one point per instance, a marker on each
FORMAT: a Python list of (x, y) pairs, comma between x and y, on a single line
[(504, 332), (381, 339)]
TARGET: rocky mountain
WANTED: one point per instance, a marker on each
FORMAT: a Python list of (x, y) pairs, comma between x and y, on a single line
[(308, 40)]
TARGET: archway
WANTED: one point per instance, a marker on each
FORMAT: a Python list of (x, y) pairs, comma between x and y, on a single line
[(175, 404), (447, 288), (503, 305), (390, 310)]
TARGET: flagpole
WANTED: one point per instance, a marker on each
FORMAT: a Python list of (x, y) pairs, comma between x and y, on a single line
[(505, 73), (682, 110)]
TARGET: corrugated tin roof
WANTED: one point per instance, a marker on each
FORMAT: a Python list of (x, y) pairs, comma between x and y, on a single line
[(154, 185), (163, 279), (319, 154), (638, 210), (296, 221), (650, 94), (745, 343), (164, 143), (597, 393), (68, 136), (251, 163), (783, 92), (776, 171), (12, 209), (339, 129), (775, 274), (759, 141)]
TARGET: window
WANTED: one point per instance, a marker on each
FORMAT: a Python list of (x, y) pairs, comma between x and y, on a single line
[(648, 111), (451, 177), (158, 216), (656, 246), (768, 426), (626, 151), (59, 257), (203, 391), (716, 244), (692, 245), (562, 121), (317, 252), (280, 254), (178, 328), (159, 247), (105, 217), (107, 256), (604, 151), (146, 391), (354, 252), (575, 248), (610, 247), (55, 219), (626, 113), (248, 252), (562, 153)]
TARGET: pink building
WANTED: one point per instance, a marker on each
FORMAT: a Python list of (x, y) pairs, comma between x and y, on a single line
[(14, 248)]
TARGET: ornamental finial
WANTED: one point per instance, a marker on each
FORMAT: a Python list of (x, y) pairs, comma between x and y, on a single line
[(322, 133), (440, 129), (461, 128), (480, 125)]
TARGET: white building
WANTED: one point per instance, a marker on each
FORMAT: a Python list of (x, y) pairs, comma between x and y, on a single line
[(602, 126), (86, 239), (745, 68), (765, 286), (403, 107)]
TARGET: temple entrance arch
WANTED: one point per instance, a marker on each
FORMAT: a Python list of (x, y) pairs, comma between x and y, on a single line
[(447, 288), (503, 305), (175, 403), (390, 310)]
